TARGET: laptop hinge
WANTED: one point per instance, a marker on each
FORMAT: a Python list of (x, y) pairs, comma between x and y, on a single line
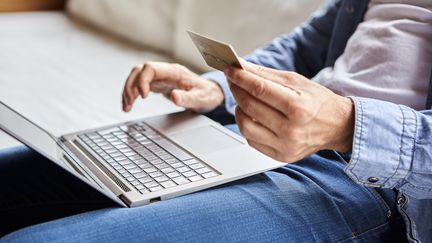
[(103, 173)]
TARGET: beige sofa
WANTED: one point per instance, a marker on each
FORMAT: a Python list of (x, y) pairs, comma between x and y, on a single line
[(65, 69)]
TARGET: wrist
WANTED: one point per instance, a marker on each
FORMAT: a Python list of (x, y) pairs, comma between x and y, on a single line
[(344, 138), (216, 92)]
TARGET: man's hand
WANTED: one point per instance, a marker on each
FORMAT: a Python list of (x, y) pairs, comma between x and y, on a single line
[(176, 82), (288, 117)]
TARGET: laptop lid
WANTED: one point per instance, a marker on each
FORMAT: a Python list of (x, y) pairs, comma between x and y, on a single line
[(42, 142)]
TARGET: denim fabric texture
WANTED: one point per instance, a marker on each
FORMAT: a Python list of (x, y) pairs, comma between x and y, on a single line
[(310, 201), (392, 144)]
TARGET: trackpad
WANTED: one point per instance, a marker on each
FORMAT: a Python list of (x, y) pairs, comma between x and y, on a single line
[(205, 140)]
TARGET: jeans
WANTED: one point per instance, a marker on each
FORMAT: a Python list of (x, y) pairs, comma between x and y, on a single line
[(309, 201)]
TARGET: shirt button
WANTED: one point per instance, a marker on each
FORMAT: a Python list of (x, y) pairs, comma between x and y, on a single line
[(373, 179), (389, 214), (401, 200)]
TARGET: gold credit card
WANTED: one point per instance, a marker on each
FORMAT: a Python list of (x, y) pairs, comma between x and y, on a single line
[(216, 54)]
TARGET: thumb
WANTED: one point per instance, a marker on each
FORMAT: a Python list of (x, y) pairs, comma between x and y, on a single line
[(277, 76), (183, 98)]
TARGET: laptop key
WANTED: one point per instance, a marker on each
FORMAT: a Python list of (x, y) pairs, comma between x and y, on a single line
[(161, 179), (180, 180), (189, 173), (202, 170), (195, 178), (173, 174), (162, 166), (130, 166), (209, 174), (156, 188), (120, 158), (177, 165), (173, 149), (156, 161), (145, 165), (151, 157), (136, 183), (139, 187), (135, 170), (171, 161), (167, 170), (190, 161), (196, 166), (150, 169), (130, 153), (145, 190), (183, 169), (140, 174), (166, 156), (118, 142), (145, 179), (130, 179), (151, 184), (168, 184), (117, 166), (124, 162), (140, 162), (155, 174)]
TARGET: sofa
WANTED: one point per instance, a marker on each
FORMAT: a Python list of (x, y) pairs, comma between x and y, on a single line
[(65, 68)]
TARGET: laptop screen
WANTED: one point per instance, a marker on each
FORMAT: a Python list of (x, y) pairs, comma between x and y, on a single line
[(27, 132)]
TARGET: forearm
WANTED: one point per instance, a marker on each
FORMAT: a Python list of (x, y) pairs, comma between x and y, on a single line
[(392, 147)]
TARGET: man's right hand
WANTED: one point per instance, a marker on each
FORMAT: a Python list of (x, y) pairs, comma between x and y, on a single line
[(176, 82)]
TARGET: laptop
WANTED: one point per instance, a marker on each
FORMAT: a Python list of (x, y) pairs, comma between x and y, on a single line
[(145, 161)]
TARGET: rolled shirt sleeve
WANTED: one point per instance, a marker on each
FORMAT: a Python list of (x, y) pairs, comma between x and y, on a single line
[(392, 147)]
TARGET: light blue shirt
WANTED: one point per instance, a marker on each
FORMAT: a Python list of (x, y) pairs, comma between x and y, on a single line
[(392, 143)]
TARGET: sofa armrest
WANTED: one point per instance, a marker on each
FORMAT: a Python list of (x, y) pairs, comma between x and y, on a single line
[(32, 5)]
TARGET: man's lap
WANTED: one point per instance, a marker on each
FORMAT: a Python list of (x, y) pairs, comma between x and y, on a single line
[(312, 200)]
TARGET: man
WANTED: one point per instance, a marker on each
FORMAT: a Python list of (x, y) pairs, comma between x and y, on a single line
[(283, 106)]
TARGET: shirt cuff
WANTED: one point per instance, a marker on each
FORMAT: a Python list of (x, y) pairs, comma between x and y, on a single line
[(219, 78), (384, 139)]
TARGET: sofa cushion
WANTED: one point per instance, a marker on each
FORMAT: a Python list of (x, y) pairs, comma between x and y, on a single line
[(162, 25), (245, 24), (147, 22)]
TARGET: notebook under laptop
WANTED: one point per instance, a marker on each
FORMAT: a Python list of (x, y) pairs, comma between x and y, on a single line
[(145, 161)]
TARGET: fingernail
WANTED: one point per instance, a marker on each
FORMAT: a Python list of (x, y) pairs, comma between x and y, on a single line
[(229, 73), (177, 98)]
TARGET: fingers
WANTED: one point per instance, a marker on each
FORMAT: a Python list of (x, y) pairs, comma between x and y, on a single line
[(184, 98), (130, 93), (268, 92), (156, 71), (252, 130), (269, 151), (161, 87), (169, 75), (282, 77), (258, 110)]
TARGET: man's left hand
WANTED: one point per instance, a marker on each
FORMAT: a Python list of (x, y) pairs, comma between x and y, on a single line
[(288, 117)]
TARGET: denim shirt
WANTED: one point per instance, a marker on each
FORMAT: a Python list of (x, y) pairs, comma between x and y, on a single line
[(392, 145)]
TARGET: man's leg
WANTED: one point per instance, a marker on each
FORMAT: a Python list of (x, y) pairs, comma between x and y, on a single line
[(310, 201), (34, 190)]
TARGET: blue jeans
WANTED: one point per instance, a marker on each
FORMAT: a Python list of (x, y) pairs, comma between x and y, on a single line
[(309, 201)]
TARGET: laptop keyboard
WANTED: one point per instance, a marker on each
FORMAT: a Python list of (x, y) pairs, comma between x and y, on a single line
[(145, 159)]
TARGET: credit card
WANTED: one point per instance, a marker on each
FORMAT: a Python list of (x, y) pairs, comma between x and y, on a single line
[(216, 54)]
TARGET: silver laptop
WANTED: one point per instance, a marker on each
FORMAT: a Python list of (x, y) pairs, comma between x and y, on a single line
[(140, 162)]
